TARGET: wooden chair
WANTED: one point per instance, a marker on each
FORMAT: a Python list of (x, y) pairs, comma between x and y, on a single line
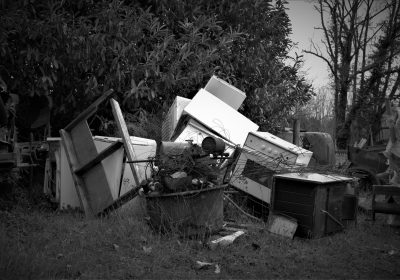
[(88, 171), (384, 207)]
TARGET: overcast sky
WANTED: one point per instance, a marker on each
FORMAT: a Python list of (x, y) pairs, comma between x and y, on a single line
[(304, 19)]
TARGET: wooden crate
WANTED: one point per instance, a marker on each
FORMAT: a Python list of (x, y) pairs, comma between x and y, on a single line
[(314, 200)]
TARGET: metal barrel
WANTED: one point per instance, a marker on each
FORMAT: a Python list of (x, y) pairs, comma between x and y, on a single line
[(213, 145)]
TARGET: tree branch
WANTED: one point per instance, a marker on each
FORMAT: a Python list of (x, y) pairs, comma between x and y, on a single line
[(321, 11), (322, 57)]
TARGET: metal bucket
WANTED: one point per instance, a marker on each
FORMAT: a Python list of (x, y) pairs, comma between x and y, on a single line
[(190, 213)]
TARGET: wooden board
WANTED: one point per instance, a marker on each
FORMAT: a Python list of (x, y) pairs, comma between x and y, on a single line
[(92, 186), (88, 172), (73, 164), (96, 185), (123, 130), (93, 177)]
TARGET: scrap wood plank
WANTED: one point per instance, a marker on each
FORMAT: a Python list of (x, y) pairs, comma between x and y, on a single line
[(73, 164), (88, 172), (384, 206), (92, 181), (102, 155), (123, 130), (232, 229), (89, 110), (97, 188), (120, 201), (241, 226)]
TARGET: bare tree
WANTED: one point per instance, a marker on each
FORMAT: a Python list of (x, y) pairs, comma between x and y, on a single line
[(357, 43), (317, 114)]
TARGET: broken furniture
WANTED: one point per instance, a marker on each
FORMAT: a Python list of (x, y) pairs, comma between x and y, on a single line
[(314, 200), (262, 156), (91, 178), (59, 184), (385, 206)]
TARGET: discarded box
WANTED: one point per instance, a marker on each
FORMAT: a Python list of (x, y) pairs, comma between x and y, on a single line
[(219, 117), (189, 213), (281, 225), (226, 92), (314, 200)]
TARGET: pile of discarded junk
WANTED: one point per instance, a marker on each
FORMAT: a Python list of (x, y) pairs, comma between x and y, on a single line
[(207, 146)]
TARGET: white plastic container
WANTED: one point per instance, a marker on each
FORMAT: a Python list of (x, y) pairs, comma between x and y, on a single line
[(226, 92)]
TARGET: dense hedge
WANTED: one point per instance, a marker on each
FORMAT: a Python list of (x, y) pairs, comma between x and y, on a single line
[(148, 52)]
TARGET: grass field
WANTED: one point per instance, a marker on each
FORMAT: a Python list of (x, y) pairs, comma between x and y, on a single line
[(51, 245)]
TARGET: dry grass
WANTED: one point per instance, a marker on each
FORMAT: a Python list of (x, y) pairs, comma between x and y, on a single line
[(48, 245)]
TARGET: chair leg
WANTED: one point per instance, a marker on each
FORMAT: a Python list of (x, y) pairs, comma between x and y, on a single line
[(373, 216)]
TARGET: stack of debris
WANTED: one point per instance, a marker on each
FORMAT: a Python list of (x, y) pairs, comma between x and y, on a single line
[(258, 155), (207, 145), (183, 167), (201, 138)]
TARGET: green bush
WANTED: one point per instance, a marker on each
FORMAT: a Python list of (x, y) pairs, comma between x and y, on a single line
[(148, 52)]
